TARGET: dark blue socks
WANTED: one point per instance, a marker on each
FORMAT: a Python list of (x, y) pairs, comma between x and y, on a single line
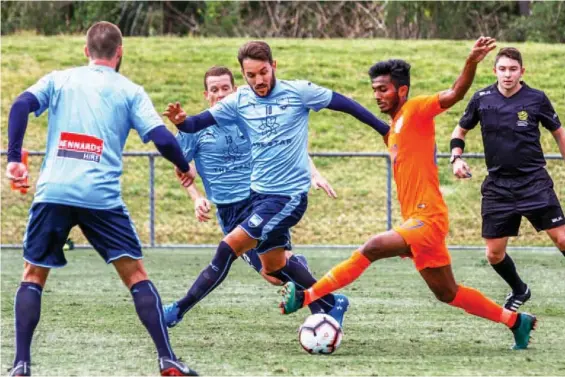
[(209, 278), (150, 311), (507, 270), (27, 311)]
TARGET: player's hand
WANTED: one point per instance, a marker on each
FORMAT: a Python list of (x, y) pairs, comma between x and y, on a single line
[(175, 113), (319, 182), (461, 169), (17, 173), (185, 179), (202, 209), (481, 48)]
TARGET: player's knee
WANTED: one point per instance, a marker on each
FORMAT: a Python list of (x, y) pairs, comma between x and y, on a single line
[(133, 273), (35, 274), (372, 249), (495, 255)]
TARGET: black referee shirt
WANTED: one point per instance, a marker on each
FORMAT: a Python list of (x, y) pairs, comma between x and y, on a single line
[(510, 128)]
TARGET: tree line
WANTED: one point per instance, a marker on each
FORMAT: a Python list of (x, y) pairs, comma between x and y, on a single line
[(538, 21)]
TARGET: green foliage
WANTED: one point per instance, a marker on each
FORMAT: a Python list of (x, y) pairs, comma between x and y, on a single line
[(394, 326), (505, 20), (547, 23)]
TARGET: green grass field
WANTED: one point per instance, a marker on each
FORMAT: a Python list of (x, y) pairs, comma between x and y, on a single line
[(394, 325), (171, 69)]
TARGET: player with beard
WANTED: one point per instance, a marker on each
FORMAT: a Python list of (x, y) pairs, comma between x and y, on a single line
[(273, 114)]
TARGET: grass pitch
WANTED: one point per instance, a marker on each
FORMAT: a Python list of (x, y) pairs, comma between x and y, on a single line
[(394, 325)]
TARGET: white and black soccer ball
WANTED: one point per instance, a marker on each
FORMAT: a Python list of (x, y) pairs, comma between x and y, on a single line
[(320, 334)]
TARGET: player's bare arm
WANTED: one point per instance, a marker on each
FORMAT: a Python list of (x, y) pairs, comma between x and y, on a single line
[(460, 168), (559, 135), (480, 50), (201, 204), (320, 182)]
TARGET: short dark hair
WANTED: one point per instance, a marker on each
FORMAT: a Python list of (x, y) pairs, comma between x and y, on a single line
[(255, 50), (103, 39), (218, 71), (398, 70), (509, 52)]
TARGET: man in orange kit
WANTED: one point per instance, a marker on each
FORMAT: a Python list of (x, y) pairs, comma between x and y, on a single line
[(412, 148)]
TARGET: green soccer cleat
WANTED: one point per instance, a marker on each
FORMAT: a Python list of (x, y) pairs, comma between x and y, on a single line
[(69, 245), (522, 333), (292, 299)]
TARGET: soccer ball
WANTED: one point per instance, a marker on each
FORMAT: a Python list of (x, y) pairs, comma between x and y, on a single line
[(320, 334)]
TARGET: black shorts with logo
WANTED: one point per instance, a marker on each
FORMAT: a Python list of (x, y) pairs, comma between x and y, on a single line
[(506, 199)]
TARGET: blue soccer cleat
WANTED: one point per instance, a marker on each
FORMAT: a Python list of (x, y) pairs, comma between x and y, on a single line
[(170, 367), (340, 307), (172, 314), (522, 333), (20, 369)]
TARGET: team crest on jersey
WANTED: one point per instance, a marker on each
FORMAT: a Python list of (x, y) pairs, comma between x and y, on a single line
[(80, 146), (522, 119), (269, 126), (398, 124), (255, 221)]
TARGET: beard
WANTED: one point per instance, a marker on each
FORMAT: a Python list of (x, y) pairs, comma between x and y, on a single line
[(119, 64), (273, 82)]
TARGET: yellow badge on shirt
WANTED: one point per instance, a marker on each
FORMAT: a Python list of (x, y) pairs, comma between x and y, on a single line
[(523, 115)]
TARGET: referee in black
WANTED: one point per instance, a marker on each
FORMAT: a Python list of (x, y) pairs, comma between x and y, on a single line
[(517, 183)]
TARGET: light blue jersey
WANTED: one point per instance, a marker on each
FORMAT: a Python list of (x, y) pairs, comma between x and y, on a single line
[(277, 126), (223, 161), (91, 111)]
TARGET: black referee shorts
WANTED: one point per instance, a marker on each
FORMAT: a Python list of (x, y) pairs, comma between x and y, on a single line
[(506, 199)]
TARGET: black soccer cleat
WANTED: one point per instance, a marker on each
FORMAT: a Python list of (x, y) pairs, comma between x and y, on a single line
[(21, 369), (514, 301), (169, 367)]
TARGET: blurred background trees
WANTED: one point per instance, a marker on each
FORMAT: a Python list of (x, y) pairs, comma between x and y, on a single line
[(539, 21)]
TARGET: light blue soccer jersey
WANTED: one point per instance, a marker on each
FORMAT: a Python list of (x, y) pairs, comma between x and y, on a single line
[(91, 111), (277, 126), (223, 160)]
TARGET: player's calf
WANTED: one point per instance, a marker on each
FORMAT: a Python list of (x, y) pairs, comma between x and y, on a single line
[(149, 309)]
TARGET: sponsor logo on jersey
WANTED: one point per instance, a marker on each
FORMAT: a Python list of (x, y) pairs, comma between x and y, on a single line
[(80, 146), (412, 224)]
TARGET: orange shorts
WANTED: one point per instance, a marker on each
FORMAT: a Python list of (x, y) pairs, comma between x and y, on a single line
[(426, 239)]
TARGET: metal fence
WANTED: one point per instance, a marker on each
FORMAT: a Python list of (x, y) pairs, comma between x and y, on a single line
[(152, 156)]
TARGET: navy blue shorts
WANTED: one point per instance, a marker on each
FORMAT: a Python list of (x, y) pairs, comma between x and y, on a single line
[(229, 217), (507, 199), (271, 218), (109, 231)]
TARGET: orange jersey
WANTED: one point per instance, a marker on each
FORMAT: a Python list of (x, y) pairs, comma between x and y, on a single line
[(412, 148)]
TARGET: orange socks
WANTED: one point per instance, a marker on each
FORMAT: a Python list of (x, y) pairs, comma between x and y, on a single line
[(341, 275), (474, 302)]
